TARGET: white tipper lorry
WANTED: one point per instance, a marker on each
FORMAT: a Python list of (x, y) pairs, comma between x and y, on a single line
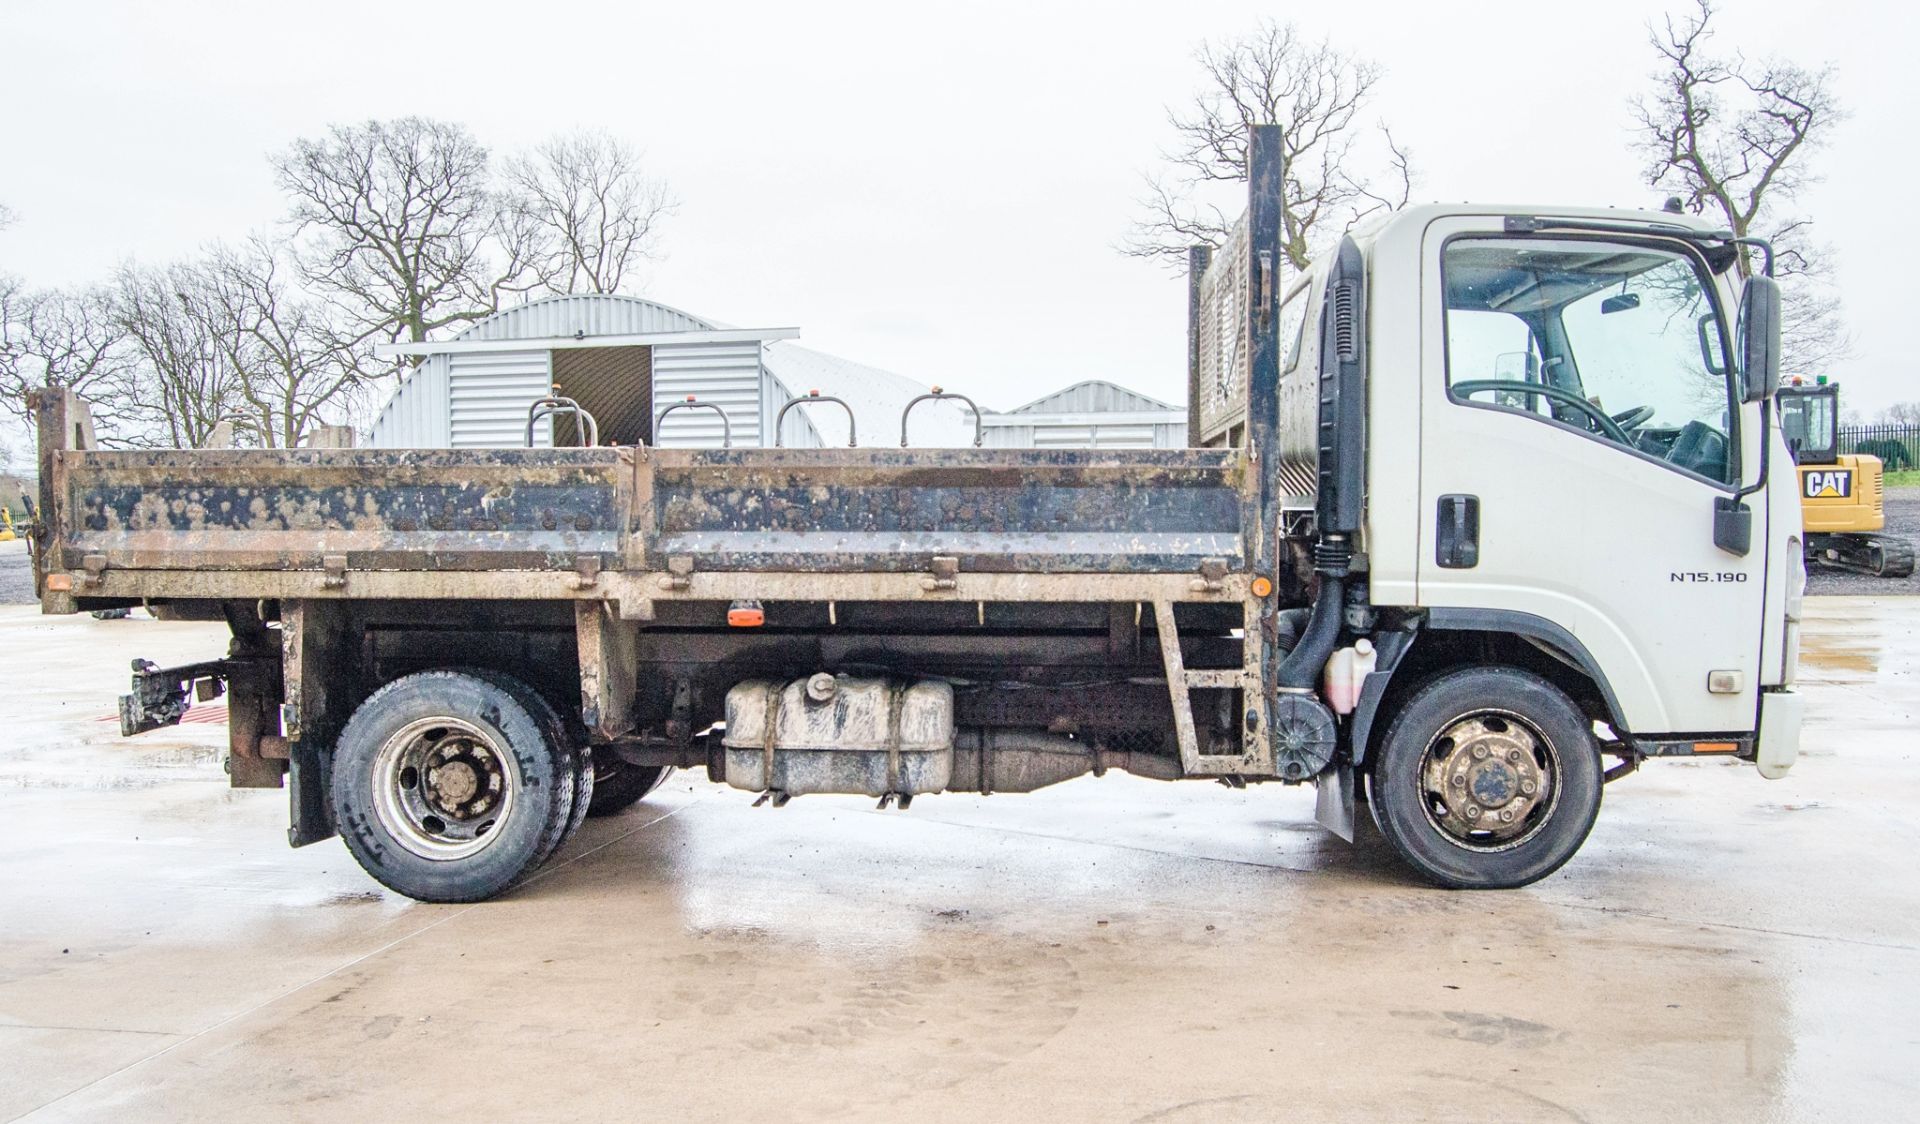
[(1480, 512)]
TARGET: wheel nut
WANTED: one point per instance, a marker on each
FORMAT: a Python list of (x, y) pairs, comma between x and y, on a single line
[(1528, 788), (1479, 753), (1506, 817), (1513, 755), (1459, 780), (1473, 812)]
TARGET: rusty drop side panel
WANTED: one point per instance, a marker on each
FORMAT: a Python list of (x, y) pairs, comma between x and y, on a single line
[(996, 511), (768, 510)]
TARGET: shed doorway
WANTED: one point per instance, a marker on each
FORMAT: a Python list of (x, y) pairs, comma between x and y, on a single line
[(614, 384)]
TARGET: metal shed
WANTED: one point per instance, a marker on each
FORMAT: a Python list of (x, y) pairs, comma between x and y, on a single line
[(626, 359), (1090, 415)]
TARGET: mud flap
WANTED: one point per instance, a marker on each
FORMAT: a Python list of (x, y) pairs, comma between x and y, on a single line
[(321, 691), (1781, 714), (1333, 801)]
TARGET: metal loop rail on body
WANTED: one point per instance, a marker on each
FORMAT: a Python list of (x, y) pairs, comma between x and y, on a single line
[(553, 404), (812, 396), (935, 395), (726, 426)]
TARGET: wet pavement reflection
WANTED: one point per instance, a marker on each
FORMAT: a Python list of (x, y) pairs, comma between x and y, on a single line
[(1114, 949)]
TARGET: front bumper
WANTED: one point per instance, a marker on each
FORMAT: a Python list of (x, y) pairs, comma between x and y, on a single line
[(1777, 743)]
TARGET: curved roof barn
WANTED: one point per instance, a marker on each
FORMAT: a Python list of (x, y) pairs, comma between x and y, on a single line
[(626, 359)]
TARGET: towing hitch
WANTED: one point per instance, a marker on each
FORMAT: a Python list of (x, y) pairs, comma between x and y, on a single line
[(159, 696)]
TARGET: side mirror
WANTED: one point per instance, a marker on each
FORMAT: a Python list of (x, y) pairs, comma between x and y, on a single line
[(1760, 338)]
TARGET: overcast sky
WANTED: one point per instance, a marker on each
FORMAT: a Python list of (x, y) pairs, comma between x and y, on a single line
[(934, 189)]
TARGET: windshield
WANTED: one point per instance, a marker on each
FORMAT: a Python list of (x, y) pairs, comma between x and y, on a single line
[(1807, 422)]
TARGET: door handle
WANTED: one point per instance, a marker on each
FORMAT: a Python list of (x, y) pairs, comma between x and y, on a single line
[(1457, 538)]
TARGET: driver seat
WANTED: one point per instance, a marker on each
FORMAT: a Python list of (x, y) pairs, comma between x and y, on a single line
[(1700, 448)]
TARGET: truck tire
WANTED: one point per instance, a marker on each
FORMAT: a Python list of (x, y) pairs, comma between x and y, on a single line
[(448, 787), (579, 755), (1488, 778), (619, 785)]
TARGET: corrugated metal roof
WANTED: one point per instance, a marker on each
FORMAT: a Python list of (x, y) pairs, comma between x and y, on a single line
[(416, 416), (1094, 414), (1094, 396), (593, 314), (876, 396)]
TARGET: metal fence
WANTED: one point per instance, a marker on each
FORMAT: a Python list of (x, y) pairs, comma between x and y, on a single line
[(1897, 446)]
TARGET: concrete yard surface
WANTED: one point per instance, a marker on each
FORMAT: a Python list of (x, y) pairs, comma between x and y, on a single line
[(1725, 947)]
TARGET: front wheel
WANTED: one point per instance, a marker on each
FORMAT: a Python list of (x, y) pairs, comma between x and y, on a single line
[(1488, 778)]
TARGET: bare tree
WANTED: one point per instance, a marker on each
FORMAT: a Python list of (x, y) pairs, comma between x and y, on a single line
[(588, 210), (12, 337), (399, 225), (1316, 93), (13, 347), (296, 366), (1732, 137), (68, 338), (185, 382)]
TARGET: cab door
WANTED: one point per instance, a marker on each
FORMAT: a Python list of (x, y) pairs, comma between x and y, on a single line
[(1579, 420)]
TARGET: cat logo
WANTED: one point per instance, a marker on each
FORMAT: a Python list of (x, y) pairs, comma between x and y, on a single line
[(1824, 483)]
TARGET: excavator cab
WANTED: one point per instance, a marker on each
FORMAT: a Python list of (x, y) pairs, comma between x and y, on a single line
[(1841, 501)]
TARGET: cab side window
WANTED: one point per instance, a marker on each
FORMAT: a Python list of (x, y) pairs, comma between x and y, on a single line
[(1621, 343)]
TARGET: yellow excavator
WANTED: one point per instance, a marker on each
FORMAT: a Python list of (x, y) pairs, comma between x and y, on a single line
[(1841, 495), (8, 532)]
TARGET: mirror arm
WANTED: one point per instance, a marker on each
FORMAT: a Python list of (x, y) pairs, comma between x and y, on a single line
[(1766, 252), (1732, 518), (1766, 443)]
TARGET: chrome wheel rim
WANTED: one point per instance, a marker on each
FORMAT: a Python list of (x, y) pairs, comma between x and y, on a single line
[(1489, 781), (442, 788)]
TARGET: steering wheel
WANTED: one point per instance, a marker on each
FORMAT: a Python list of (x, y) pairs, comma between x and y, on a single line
[(1600, 419), (1634, 418)]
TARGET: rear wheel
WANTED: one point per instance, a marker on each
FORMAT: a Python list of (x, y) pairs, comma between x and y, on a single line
[(449, 786), (618, 785), (575, 752), (1488, 778)]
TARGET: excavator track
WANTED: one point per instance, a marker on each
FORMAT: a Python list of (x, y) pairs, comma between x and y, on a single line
[(1862, 554)]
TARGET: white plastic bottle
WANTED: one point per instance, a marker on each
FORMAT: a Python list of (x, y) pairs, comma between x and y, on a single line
[(1346, 674)]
